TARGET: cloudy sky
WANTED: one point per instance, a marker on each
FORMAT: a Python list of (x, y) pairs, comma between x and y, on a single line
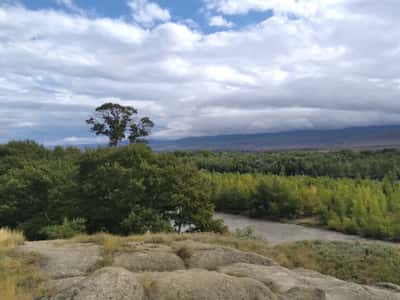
[(198, 67)]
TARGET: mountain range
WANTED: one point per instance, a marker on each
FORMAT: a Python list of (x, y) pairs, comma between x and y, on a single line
[(353, 137)]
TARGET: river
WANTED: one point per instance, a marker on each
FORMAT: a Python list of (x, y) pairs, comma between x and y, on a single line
[(278, 233)]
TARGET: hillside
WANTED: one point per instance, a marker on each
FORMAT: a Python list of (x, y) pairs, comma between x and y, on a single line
[(355, 137)]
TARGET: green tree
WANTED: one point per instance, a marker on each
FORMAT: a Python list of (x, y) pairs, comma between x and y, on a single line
[(115, 121), (35, 196), (122, 186)]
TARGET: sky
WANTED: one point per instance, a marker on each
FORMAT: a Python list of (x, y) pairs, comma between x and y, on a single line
[(197, 67)]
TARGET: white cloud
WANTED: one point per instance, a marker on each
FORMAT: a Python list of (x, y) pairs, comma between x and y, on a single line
[(333, 68), (71, 5), (219, 21), (297, 7), (148, 13)]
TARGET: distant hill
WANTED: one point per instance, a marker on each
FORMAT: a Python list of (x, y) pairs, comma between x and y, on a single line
[(354, 137)]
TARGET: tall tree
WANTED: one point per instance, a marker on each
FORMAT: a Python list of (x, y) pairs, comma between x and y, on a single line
[(116, 121)]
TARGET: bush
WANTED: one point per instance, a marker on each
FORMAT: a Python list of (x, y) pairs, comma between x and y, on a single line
[(66, 230), (247, 232), (142, 220)]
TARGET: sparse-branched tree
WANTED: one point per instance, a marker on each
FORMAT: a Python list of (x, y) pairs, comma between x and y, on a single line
[(140, 130), (116, 121)]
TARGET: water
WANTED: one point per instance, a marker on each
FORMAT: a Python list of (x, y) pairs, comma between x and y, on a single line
[(279, 233)]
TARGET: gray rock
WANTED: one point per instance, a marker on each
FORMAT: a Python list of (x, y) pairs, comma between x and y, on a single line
[(211, 257), (105, 284), (199, 284), (61, 284), (148, 257), (64, 259), (388, 285)]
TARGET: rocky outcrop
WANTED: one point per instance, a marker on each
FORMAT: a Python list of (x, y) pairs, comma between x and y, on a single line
[(65, 259), (143, 271), (202, 284), (305, 284), (148, 257), (210, 257), (105, 284)]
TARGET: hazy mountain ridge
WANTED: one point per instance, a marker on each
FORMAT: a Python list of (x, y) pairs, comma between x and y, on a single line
[(353, 137)]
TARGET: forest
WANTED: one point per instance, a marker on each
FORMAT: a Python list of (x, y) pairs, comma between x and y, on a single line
[(59, 192), (357, 206), (336, 164)]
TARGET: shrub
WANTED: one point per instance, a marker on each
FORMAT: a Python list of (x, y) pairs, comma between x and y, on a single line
[(185, 252), (246, 233), (66, 230), (142, 220)]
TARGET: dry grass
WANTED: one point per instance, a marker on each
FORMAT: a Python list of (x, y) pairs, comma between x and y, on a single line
[(10, 238), (19, 276), (358, 262), (9, 290), (185, 252)]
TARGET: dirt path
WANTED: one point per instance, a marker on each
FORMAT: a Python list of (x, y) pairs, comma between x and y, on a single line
[(279, 233)]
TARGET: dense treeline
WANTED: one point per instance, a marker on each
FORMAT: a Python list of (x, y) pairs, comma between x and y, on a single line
[(336, 164), (364, 207), (59, 192)]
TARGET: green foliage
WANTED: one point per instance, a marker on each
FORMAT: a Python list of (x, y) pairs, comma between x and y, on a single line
[(142, 220), (38, 193), (247, 232), (118, 190), (364, 207), (336, 164), (66, 230), (132, 189), (114, 120), (116, 181)]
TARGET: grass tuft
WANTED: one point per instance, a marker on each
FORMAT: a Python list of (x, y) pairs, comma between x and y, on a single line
[(19, 276), (10, 238), (110, 245), (185, 252)]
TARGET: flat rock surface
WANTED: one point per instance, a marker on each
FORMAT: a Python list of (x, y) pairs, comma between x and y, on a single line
[(211, 257), (148, 257), (105, 284), (64, 259)]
